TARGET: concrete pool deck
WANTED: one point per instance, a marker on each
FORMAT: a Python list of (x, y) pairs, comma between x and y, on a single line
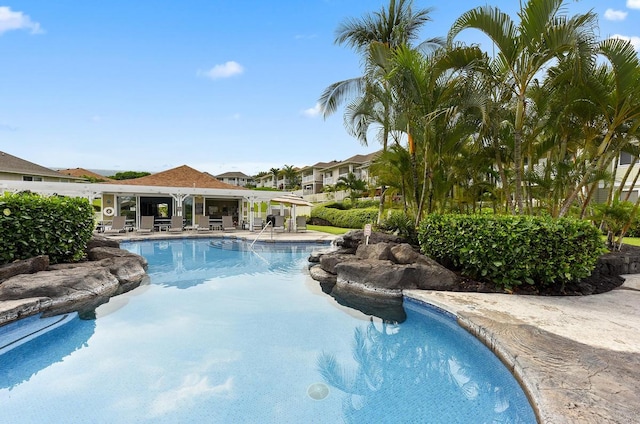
[(577, 357)]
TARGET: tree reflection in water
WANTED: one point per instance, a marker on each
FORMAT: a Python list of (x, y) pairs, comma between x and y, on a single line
[(426, 368)]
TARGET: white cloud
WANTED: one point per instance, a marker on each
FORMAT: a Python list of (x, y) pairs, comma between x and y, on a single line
[(313, 112), (193, 389), (225, 70), (10, 20), (635, 41), (615, 15), (633, 4)]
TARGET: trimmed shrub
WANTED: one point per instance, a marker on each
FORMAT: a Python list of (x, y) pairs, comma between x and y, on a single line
[(352, 218), (401, 224), (32, 225), (512, 250)]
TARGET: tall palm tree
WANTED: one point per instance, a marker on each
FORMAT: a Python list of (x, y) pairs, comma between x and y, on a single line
[(522, 51), (614, 88), (275, 172), (290, 174), (352, 183)]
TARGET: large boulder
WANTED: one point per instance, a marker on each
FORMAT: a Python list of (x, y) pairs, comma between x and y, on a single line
[(25, 266), (100, 253), (329, 261), (379, 251), (355, 238), (101, 241), (69, 289)]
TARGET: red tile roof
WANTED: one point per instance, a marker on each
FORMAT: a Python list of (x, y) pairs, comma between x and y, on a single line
[(182, 176), (81, 173)]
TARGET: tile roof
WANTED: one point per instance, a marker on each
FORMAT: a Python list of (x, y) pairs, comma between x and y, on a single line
[(15, 165), (81, 173), (233, 175), (182, 176)]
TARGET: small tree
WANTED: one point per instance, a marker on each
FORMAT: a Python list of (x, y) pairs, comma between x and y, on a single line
[(352, 183), (615, 219)]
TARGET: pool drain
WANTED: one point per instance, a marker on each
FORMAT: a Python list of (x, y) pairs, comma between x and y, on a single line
[(318, 391)]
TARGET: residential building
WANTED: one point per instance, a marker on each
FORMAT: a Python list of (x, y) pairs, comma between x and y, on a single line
[(235, 178), (13, 168)]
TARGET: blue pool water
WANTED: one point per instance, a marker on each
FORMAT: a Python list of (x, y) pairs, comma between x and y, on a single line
[(223, 334)]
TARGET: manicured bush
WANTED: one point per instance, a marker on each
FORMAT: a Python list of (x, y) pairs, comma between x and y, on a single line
[(32, 225), (512, 250), (352, 218), (400, 223)]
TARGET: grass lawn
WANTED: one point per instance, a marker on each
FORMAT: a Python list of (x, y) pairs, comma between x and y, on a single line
[(328, 229), (633, 241)]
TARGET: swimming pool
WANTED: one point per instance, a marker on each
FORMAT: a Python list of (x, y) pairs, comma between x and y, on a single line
[(225, 334)]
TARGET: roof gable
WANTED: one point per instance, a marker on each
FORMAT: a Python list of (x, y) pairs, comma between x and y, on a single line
[(14, 165), (82, 173), (182, 176)]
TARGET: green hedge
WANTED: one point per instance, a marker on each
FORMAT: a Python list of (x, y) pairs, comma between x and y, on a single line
[(32, 225), (512, 250), (351, 218)]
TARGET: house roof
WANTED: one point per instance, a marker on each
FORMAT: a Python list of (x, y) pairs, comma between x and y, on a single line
[(14, 165), (81, 173), (182, 176), (233, 175)]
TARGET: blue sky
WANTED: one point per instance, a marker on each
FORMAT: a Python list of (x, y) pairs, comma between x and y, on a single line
[(217, 85)]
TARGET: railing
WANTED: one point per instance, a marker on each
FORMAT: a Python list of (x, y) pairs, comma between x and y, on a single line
[(260, 233)]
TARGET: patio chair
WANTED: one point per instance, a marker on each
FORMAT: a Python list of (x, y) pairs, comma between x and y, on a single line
[(203, 223), (117, 225), (146, 224), (176, 224), (279, 223), (227, 223), (301, 223), (257, 223)]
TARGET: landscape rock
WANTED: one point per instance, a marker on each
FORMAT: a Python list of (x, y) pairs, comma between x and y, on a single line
[(355, 238), (322, 276), (68, 289), (102, 241), (329, 261), (379, 251), (25, 266), (100, 253)]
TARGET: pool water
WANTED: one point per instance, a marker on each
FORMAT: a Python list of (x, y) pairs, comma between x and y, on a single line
[(227, 334)]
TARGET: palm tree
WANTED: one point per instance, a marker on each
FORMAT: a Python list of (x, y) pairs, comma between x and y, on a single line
[(374, 37), (352, 183), (614, 90), (276, 173), (290, 174), (523, 51)]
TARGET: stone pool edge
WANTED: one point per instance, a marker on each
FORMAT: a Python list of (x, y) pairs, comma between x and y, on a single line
[(565, 380)]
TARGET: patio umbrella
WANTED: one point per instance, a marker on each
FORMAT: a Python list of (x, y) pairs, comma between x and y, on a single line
[(293, 201)]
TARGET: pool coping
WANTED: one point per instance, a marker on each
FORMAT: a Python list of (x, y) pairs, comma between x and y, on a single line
[(571, 369)]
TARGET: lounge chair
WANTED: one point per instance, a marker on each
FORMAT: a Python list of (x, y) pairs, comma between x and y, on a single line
[(279, 223), (301, 223), (203, 223), (227, 223), (146, 224), (176, 224), (117, 225), (257, 223)]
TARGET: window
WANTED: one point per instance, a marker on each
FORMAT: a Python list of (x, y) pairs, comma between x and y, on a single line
[(31, 178), (625, 158)]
